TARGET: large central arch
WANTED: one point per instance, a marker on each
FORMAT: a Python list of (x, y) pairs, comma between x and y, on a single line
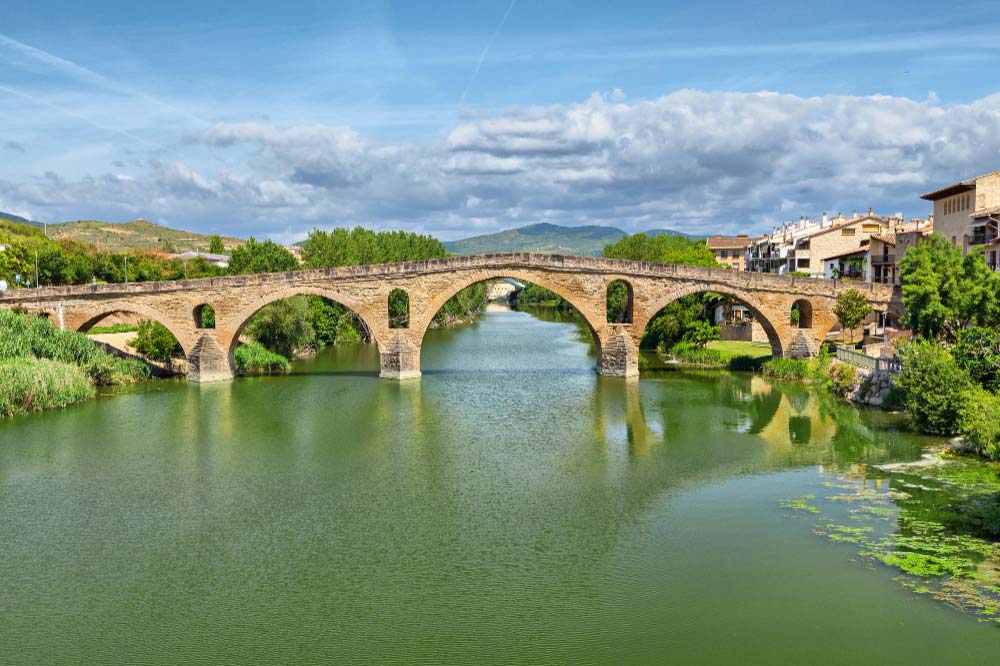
[(591, 312)]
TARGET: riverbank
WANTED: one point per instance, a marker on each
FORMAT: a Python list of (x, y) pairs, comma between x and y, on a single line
[(42, 368)]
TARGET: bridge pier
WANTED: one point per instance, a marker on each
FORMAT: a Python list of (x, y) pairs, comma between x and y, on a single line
[(618, 354), (399, 358), (208, 361)]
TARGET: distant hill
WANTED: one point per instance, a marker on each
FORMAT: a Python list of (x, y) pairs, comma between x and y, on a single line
[(135, 235), (548, 238), (18, 218)]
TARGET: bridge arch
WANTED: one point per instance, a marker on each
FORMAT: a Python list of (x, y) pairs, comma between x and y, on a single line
[(592, 315), (186, 341), (771, 328), (236, 322), (589, 313)]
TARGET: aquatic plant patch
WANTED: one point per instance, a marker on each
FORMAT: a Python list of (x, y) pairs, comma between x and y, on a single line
[(936, 533)]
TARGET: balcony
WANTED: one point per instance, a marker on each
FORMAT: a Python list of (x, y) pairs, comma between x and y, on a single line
[(883, 259), (981, 239)]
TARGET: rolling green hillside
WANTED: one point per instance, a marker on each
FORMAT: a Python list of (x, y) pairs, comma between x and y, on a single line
[(135, 235), (549, 238)]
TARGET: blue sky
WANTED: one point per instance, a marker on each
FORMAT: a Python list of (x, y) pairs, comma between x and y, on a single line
[(455, 118)]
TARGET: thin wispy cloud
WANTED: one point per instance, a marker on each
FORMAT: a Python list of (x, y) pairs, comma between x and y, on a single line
[(73, 114), (486, 50), (84, 74)]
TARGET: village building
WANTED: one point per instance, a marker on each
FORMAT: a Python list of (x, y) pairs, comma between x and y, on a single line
[(967, 214), (731, 250)]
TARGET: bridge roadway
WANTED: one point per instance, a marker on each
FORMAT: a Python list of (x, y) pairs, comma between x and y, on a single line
[(583, 281)]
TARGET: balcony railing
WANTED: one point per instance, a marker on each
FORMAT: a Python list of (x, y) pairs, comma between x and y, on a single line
[(883, 259), (981, 239)]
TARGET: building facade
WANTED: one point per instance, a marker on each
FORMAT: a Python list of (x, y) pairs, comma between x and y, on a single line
[(731, 250), (967, 214)]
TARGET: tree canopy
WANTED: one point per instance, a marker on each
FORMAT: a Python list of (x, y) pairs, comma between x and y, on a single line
[(261, 257), (662, 249), (944, 292)]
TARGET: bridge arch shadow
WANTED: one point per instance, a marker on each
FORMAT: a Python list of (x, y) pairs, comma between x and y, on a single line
[(769, 327), (238, 321), (584, 310)]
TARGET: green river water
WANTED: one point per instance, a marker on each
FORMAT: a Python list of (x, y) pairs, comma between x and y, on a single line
[(511, 507)]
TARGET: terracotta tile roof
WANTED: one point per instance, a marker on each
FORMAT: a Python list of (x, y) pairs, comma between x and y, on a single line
[(888, 239), (730, 242)]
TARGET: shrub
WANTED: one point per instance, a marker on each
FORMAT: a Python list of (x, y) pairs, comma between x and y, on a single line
[(978, 352), (979, 421), (785, 368), (32, 385), (935, 387), (700, 332), (255, 359), (840, 378), (154, 341), (690, 353)]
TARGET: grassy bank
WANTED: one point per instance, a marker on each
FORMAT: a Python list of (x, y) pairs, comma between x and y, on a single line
[(722, 354), (34, 385), (44, 368)]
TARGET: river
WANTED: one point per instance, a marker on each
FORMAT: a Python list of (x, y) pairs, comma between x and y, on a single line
[(509, 507)]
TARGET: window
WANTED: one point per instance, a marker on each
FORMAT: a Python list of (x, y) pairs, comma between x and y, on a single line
[(870, 228), (724, 253), (847, 232)]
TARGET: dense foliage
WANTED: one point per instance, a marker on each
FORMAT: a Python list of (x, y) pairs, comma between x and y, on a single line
[(662, 249), (944, 292), (43, 368), (254, 256), (255, 359), (34, 385), (154, 341), (934, 385)]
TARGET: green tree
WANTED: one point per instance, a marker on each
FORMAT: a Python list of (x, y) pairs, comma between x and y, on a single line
[(944, 292), (283, 327), (699, 333), (215, 246), (935, 387), (154, 341), (851, 309), (662, 249), (977, 351), (261, 257)]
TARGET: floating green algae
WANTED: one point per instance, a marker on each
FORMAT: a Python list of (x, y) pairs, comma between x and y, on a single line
[(799, 504), (942, 533)]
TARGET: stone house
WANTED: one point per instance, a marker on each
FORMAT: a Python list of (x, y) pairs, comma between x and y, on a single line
[(731, 250), (967, 214)]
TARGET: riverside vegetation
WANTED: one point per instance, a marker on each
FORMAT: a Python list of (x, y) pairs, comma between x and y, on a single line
[(44, 368)]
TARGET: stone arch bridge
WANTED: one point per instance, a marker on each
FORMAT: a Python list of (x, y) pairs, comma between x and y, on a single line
[(583, 281)]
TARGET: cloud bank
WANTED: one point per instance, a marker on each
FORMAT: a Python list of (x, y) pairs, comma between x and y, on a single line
[(700, 162)]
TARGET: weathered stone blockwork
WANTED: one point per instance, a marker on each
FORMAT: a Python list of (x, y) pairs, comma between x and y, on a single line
[(582, 281)]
